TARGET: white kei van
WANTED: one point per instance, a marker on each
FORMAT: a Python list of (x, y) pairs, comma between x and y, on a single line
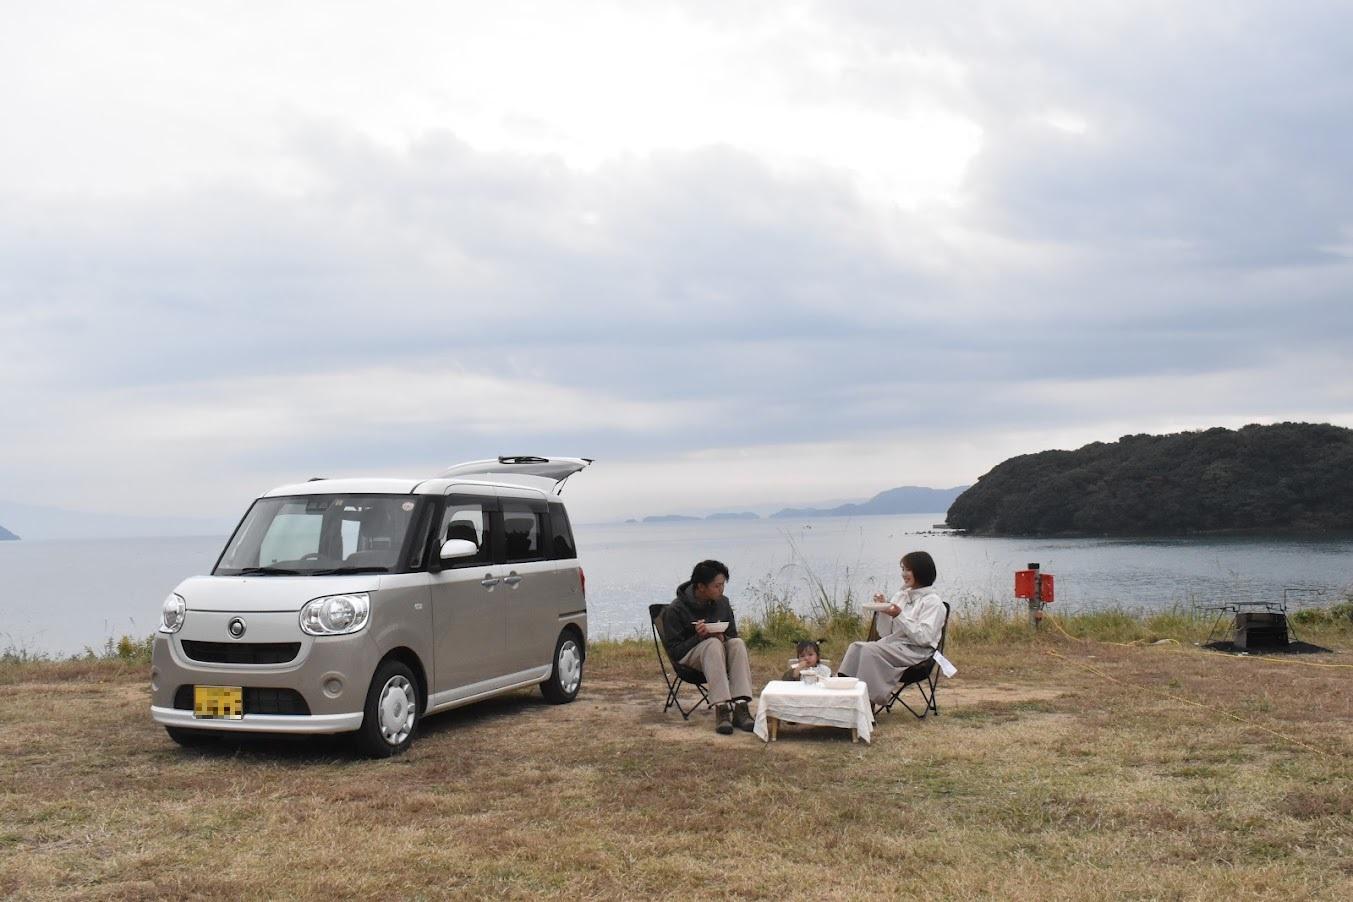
[(364, 604)]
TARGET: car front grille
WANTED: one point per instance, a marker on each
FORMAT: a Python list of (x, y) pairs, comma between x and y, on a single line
[(257, 700), (241, 652)]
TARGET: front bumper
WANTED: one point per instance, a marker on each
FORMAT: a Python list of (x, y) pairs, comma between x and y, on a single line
[(259, 723), (331, 674)]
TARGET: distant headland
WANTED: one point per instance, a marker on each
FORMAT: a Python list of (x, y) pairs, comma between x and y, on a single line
[(907, 499), (1288, 477), (7, 536)]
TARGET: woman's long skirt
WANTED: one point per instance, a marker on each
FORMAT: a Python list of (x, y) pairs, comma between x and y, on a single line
[(880, 664)]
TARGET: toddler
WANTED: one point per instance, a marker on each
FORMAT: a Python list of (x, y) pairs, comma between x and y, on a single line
[(808, 660)]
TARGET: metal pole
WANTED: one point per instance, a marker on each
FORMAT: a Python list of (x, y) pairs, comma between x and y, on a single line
[(1036, 602)]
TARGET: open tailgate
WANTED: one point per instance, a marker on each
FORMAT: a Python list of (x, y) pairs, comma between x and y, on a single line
[(555, 468)]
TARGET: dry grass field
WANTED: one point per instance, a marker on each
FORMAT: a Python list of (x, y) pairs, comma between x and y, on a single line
[(1059, 769)]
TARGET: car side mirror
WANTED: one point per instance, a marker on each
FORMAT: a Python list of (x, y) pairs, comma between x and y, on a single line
[(458, 548)]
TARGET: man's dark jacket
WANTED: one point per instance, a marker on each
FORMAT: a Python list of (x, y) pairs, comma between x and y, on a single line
[(678, 620)]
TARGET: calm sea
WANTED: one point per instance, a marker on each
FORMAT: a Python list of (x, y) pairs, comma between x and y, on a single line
[(60, 596)]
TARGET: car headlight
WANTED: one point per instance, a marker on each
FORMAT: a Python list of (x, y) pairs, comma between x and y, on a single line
[(336, 615), (172, 614)]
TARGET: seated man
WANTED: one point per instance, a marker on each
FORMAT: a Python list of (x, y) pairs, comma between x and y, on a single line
[(721, 657)]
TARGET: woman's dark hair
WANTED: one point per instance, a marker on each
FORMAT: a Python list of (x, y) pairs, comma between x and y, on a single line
[(804, 645), (704, 572), (922, 566)]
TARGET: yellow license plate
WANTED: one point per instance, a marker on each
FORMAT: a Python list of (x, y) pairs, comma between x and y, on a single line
[(218, 702)]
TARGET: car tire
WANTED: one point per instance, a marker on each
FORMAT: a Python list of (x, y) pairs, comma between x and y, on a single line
[(566, 676), (190, 739), (390, 717)]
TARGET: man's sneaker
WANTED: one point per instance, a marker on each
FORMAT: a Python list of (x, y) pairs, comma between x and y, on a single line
[(742, 718), (722, 722)]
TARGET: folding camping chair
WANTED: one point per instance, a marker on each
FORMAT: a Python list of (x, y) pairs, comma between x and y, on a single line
[(680, 674), (924, 676)]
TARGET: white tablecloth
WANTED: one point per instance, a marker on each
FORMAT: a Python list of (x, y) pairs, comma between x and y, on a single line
[(802, 703)]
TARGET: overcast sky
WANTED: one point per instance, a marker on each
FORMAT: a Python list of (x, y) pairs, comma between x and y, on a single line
[(739, 253)]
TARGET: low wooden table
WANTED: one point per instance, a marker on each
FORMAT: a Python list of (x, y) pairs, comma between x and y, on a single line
[(796, 702)]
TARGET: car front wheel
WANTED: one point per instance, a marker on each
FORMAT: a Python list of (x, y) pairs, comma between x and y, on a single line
[(390, 717)]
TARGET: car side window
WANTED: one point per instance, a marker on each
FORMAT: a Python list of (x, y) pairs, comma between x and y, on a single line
[(467, 518), (524, 530)]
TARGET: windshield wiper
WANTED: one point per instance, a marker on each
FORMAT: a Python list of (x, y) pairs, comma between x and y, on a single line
[(267, 571), (348, 570)]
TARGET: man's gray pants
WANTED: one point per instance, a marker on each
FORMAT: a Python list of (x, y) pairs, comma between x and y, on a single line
[(724, 664)]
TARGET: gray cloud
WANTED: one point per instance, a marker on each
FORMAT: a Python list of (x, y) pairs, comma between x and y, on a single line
[(1213, 135), (1175, 262)]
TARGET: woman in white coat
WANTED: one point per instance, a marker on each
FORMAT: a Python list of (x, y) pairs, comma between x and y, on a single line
[(909, 630)]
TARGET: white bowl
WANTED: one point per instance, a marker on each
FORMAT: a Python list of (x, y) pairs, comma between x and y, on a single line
[(838, 682), (716, 628)]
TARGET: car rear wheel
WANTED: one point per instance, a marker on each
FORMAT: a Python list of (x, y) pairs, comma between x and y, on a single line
[(390, 717), (566, 677)]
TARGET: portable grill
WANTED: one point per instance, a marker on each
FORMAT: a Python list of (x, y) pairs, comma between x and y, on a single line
[(1254, 625)]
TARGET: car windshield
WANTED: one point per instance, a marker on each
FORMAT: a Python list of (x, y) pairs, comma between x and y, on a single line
[(318, 535)]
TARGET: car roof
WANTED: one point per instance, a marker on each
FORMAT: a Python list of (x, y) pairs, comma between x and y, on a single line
[(536, 474), (359, 486), (370, 486)]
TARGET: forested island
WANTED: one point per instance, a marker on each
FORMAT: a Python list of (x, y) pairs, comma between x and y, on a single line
[(1288, 477)]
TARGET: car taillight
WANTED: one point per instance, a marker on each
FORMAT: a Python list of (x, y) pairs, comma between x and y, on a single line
[(582, 581)]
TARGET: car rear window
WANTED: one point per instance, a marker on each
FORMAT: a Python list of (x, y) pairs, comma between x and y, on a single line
[(562, 546)]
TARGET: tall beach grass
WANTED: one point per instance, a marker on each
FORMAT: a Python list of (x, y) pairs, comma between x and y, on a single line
[(124, 649)]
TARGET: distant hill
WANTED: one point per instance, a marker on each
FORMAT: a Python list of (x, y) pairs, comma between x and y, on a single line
[(907, 499), (1286, 477), (7, 536)]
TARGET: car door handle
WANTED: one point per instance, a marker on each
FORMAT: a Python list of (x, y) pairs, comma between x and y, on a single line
[(512, 580), (489, 581)]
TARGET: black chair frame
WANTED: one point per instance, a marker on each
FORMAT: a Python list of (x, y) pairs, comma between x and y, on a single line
[(680, 674), (925, 676)]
